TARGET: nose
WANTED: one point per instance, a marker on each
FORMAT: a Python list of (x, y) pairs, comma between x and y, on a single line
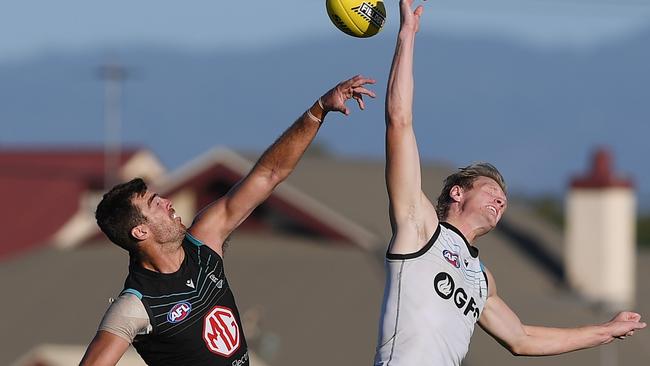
[(500, 201), (168, 202)]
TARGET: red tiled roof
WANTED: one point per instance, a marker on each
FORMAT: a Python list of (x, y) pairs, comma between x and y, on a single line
[(40, 191)]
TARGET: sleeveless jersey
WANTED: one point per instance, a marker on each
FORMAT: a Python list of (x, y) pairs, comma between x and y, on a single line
[(193, 314), (432, 300)]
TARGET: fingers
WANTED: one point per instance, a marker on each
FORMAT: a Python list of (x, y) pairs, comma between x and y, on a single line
[(633, 316), (364, 91), (359, 100), (418, 11)]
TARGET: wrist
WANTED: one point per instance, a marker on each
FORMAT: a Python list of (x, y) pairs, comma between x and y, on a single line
[(317, 111)]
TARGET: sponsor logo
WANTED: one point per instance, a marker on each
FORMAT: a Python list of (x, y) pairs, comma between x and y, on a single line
[(466, 263), (221, 331), (189, 283), (451, 257), (445, 287), (179, 312), (241, 361), (370, 14)]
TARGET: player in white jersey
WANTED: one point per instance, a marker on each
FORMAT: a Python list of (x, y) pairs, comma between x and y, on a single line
[(436, 287)]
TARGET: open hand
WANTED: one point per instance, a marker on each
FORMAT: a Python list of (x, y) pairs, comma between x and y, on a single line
[(354, 88)]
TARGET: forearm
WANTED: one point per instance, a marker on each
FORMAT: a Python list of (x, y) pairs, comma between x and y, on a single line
[(281, 157), (399, 95), (544, 341)]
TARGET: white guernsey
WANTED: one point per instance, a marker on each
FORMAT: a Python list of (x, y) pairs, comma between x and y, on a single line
[(433, 299), (436, 288)]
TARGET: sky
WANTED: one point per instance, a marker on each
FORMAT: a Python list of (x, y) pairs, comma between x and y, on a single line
[(31, 27)]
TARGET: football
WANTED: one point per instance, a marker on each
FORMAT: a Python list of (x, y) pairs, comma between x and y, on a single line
[(358, 18)]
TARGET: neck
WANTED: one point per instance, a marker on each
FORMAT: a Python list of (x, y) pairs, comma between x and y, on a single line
[(470, 231), (162, 258)]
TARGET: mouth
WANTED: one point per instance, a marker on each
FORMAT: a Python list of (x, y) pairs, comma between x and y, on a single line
[(173, 215), (493, 210)]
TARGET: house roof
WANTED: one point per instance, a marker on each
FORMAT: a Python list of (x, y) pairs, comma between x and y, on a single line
[(41, 190), (303, 208), (315, 297)]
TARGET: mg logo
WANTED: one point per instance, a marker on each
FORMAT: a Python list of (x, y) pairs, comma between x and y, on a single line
[(221, 332)]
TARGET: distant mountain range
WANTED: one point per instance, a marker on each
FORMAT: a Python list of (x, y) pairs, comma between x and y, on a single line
[(536, 113)]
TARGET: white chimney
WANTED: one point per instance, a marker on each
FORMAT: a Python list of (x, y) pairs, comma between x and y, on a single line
[(600, 253)]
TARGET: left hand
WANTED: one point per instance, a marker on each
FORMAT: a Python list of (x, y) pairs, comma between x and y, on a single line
[(624, 324), (354, 88)]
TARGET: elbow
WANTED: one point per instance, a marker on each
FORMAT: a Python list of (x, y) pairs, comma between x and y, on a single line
[(399, 117), (399, 121), (276, 176), (517, 349)]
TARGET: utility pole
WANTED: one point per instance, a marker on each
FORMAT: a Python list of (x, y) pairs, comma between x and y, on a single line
[(113, 74)]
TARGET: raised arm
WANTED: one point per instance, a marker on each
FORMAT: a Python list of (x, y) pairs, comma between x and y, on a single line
[(214, 223), (502, 324), (412, 215)]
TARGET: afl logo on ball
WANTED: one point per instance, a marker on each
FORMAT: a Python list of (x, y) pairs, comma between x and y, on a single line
[(179, 312), (221, 331), (451, 258)]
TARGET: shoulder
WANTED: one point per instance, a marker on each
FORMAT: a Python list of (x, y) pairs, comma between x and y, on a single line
[(126, 317)]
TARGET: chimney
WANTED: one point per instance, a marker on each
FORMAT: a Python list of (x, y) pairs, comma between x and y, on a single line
[(600, 238)]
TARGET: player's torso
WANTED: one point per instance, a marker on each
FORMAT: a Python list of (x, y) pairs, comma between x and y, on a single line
[(193, 313), (432, 301)]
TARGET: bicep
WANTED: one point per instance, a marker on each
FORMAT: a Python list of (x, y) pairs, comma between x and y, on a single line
[(403, 176), (413, 216), (105, 349), (218, 220)]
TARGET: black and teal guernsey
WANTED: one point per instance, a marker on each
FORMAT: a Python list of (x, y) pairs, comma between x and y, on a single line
[(193, 314)]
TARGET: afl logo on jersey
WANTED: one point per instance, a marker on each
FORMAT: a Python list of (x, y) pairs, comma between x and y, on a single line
[(221, 332), (179, 312), (451, 258)]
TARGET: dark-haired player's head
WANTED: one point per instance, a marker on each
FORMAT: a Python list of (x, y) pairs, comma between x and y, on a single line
[(116, 214), (477, 191)]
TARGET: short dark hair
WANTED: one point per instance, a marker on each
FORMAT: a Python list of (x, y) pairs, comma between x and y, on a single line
[(116, 214), (465, 178)]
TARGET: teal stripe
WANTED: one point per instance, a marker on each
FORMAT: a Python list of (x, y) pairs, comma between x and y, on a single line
[(193, 240), (133, 291)]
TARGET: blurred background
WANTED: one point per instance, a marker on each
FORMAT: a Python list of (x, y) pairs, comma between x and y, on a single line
[(554, 93)]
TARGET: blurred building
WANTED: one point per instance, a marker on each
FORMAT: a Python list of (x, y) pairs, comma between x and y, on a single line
[(306, 267)]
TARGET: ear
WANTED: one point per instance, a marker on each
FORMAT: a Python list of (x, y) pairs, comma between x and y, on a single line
[(140, 232), (456, 193)]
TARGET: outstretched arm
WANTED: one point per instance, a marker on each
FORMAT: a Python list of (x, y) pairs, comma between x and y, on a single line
[(413, 217), (214, 223), (502, 324)]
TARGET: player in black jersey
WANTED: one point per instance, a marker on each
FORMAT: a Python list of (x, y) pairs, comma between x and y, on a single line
[(177, 307)]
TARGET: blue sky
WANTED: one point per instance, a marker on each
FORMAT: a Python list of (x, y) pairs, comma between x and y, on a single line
[(31, 27)]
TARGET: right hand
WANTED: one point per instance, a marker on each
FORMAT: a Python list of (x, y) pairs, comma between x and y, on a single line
[(624, 324), (354, 88), (409, 18)]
